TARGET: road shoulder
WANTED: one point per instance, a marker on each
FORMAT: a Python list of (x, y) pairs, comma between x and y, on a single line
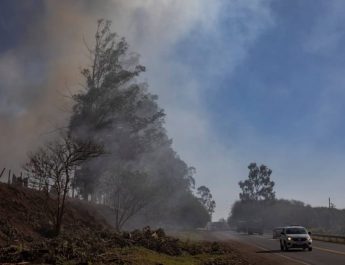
[(253, 254)]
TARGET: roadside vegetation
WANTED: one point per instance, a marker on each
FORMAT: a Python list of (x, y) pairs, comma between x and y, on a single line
[(86, 238)]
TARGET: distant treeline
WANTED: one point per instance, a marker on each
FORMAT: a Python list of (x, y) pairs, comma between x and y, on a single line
[(282, 212)]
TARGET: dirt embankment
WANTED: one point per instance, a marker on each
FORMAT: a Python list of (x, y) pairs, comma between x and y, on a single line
[(25, 225), (26, 216)]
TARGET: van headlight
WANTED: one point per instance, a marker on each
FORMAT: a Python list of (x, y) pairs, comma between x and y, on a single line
[(289, 238)]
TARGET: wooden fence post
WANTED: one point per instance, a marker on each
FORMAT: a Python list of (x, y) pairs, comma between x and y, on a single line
[(2, 172), (9, 177)]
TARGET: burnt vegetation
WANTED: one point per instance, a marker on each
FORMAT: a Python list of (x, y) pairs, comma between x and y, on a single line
[(51, 169), (87, 238)]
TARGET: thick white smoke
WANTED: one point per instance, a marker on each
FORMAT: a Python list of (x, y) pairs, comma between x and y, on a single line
[(37, 77)]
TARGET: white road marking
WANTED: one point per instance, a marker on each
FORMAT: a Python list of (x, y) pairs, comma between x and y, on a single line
[(330, 251), (283, 256)]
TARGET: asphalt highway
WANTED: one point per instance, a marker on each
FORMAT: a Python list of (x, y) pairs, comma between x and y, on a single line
[(323, 253)]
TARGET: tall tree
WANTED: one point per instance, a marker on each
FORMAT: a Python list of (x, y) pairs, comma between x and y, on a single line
[(116, 110), (258, 186), (206, 199)]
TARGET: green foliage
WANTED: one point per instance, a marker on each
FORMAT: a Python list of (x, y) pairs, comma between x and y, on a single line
[(258, 186), (288, 212), (140, 170), (206, 199)]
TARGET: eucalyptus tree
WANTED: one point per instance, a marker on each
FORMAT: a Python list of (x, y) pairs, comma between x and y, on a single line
[(258, 186)]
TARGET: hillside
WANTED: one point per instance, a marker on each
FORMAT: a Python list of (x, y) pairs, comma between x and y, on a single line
[(24, 215), (86, 238)]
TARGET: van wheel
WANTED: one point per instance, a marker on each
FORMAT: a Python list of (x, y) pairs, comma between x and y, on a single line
[(310, 249)]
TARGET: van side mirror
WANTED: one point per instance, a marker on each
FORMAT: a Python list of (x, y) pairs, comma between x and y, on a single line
[(309, 233), (282, 233)]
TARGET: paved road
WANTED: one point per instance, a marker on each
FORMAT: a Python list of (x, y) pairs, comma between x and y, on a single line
[(323, 253)]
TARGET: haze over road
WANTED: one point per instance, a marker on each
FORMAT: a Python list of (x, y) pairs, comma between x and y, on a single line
[(323, 252)]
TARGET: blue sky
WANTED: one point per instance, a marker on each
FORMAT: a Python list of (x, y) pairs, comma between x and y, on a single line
[(15, 20), (278, 88), (241, 81), (282, 103)]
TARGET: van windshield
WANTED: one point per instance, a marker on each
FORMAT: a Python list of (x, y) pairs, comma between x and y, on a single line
[(293, 231)]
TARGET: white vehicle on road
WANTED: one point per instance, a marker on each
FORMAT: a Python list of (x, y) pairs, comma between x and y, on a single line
[(295, 237)]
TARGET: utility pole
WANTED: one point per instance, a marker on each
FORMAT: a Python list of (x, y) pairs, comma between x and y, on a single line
[(331, 205), (329, 213)]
